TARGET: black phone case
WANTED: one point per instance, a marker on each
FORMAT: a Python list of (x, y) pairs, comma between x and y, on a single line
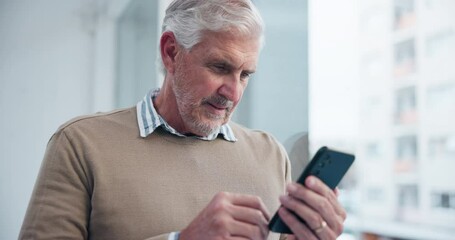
[(328, 165)]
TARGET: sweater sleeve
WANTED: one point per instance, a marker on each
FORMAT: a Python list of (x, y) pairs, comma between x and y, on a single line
[(60, 204)]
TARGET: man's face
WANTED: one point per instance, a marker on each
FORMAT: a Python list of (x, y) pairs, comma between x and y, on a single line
[(209, 80)]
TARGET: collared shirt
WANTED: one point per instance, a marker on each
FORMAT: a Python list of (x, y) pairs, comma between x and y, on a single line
[(174, 236), (148, 120)]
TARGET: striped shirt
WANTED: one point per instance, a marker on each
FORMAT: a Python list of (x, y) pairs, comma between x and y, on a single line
[(149, 120)]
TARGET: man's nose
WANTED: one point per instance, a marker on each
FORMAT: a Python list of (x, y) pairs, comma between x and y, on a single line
[(232, 88)]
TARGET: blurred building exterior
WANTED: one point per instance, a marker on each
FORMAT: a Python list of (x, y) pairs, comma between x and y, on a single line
[(406, 148)]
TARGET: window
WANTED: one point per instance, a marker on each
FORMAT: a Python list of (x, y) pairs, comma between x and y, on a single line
[(404, 14), (443, 200), (442, 148), (405, 61), (441, 98), (374, 151), (406, 148), (408, 202), (408, 196), (405, 106), (441, 43), (406, 154)]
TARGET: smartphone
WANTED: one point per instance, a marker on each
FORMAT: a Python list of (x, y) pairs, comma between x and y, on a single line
[(328, 165)]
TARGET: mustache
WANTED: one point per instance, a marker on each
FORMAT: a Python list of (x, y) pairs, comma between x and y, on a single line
[(219, 100)]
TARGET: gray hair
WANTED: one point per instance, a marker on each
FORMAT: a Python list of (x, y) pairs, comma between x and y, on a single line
[(188, 19)]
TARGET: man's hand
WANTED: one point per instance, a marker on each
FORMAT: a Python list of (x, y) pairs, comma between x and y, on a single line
[(317, 204), (230, 216)]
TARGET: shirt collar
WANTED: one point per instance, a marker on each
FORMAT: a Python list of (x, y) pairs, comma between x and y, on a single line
[(148, 120)]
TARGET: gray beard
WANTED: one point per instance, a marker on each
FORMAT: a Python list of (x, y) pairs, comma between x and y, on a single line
[(185, 104)]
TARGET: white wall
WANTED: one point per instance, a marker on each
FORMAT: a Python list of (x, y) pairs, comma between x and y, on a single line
[(46, 59)]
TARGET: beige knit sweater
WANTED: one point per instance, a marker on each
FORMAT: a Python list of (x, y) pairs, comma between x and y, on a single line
[(101, 180)]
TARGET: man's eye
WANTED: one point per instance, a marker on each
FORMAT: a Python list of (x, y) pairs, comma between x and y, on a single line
[(220, 68), (245, 75)]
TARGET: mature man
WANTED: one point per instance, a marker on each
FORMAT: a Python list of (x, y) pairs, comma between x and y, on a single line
[(175, 167)]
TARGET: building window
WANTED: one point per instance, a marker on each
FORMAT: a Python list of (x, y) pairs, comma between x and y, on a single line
[(441, 98), (444, 200), (442, 148), (404, 58), (440, 43), (404, 14), (405, 106), (408, 202), (373, 150), (406, 154), (408, 196)]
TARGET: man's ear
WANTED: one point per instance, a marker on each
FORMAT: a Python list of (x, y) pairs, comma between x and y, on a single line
[(169, 48)]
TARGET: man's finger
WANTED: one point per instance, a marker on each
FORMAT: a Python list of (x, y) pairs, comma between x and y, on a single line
[(320, 204), (302, 210), (248, 215), (249, 201), (300, 230), (318, 186), (250, 231)]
